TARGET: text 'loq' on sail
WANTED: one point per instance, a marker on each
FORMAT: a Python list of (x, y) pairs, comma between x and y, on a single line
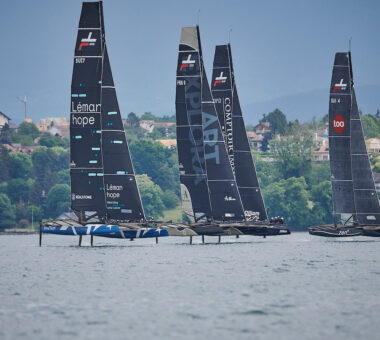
[(104, 193), (355, 202)]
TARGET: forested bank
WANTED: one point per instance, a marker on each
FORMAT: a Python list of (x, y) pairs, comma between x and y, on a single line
[(294, 186)]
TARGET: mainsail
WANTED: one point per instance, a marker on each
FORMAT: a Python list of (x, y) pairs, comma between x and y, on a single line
[(208, 185), (194, 189), (231, 119), (102, 176), (353, 188)]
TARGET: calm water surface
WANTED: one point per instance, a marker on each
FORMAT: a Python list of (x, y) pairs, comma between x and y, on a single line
[(290, 287)]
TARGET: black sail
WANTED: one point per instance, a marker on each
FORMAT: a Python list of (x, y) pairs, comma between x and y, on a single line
[(102, 176), (365, 195), (86, 166), (194, 189), (225, 199), (230, 115), (340, 138), (123, 202)]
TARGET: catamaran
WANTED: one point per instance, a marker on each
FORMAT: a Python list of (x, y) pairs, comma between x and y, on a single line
[(224, 91), (190, 100), (104, 194), (355, 200), (210, 196)]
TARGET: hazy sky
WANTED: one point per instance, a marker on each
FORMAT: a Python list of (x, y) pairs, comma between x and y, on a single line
[(279, 48)]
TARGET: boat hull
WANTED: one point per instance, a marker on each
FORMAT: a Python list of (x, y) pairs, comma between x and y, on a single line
[(332, 231), (372, 232), (193, 230), (258, 229), (103, 230)]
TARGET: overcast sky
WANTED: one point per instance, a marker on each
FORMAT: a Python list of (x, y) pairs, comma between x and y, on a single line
[(279, 48)]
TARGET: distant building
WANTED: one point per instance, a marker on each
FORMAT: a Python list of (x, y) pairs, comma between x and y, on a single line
[(16, 147), (376, 179), (4, 120), (149, 125), (319, 140), (56, 126), (321, 154), (323, 131), (168, 143), (262, 128), (255, 140), (373, 145)]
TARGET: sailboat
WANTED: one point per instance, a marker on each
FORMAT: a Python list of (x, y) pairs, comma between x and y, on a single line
[(104, 194), (210, 194), (355, 201), (224, 91), (190, 102)]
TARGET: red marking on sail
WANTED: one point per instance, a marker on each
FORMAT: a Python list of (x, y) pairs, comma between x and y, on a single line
[(217, 82), (338, 124), (336, 88), (83, 44), (183, 65)]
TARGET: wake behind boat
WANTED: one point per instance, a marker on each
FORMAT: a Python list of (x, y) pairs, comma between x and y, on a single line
[(104, 193), (355, 200)]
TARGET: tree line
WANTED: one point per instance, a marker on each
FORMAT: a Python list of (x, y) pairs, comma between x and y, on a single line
[(293, 186)]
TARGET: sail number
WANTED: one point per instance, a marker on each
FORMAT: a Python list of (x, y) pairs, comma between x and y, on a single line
[(335, 100), (79, 60)]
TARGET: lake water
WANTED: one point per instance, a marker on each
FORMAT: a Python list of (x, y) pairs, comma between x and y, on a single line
[(289, 287)]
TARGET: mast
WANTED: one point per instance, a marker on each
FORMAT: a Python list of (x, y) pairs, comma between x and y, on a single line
[(365, 195), (340, 142), (194, 189), (231, 119), (102, 176)]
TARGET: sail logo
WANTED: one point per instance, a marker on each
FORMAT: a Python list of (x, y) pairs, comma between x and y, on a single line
[(80, 197), (210, 137), (112, 187), (220, 79), (82, 121), (340, 86), (227, 130), (89, 41), (229, 198), (187, 63), (339, 124)]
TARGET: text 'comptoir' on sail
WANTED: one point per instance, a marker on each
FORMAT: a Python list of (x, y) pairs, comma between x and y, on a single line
[(104, 194), (355, 202)]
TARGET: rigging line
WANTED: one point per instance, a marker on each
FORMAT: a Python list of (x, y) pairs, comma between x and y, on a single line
[(229, 35), (199, 11)]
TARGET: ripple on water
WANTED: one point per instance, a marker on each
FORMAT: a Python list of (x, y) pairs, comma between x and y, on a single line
[(254, 312)]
